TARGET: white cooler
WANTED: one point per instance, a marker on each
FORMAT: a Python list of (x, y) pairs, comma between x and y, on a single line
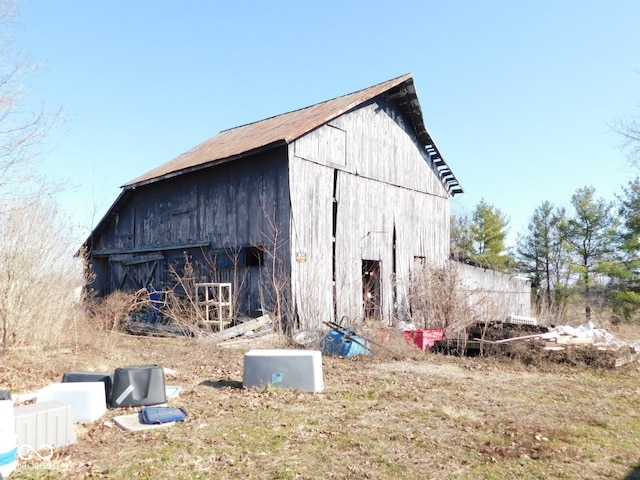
[(87, 399), (44, 424), (296, 369)]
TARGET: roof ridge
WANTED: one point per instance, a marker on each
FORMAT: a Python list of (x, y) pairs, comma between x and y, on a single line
[(407, 75), (272, 131)]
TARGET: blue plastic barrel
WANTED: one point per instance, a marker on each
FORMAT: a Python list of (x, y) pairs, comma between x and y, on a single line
[(344, 343)]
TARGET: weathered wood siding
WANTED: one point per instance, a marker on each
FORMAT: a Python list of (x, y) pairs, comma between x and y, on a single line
[(311, 242), (370, 161), (494, 295), (209, 215)]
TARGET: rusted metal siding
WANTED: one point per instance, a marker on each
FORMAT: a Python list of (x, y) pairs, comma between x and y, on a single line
[(383, 184), (249, 139)]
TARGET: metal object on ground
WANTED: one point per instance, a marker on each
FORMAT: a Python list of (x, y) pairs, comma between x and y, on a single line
[(306, 338)]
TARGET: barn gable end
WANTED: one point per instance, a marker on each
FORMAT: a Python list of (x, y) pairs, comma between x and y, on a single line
[(378, 204)]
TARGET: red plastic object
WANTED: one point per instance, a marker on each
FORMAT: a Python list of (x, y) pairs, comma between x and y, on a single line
[(424, 339)]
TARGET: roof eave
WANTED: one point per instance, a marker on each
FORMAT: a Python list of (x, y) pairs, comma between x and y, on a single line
[(135, 184), (407, 98)]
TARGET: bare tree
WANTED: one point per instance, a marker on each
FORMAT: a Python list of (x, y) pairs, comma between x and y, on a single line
[(40, 280), (21, 132), (629, 130)]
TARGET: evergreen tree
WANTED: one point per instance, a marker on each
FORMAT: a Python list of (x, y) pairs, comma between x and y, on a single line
[(541, 253), (629, 211), (591, 234), (626, 271), (489, 230)]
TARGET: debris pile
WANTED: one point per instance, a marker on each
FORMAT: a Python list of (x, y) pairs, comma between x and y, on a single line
[(596, 346)]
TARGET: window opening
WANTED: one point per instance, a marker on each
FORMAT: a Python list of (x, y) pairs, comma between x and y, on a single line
[(253, 256), (371, 288)]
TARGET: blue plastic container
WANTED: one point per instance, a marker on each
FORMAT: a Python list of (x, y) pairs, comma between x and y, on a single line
[(344, 343), (8, 462)]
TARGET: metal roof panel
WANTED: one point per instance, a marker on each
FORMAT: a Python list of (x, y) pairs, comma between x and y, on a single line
[(281, 128), (288, 127)]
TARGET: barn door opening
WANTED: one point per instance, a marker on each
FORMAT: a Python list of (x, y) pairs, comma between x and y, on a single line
[(371, 288)]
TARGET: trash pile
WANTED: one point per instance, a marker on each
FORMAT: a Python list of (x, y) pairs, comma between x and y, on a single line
[(555, 337), (515, 336), (34, 424)]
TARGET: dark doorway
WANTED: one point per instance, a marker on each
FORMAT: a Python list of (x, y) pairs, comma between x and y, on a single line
[(371, 288)]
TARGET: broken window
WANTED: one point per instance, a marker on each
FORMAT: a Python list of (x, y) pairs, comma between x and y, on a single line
[(253, 256)]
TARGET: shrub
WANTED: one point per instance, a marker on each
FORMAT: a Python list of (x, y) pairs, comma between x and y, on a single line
[(40, 278), (437, 300)]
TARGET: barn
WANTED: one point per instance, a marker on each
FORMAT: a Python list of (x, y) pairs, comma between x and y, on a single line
[(316, 215)]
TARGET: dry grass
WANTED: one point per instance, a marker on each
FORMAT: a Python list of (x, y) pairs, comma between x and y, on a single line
[(410, 414)]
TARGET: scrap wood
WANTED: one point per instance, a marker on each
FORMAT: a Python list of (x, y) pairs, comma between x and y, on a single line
[(155, 329), (570, 340), (238, 330), (243, 339), (546, 335), (623, 360)]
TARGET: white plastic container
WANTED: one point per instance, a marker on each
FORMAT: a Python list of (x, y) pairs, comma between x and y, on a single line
[(296, 369), (87, 399), (8, 441), (44, 425), (7, 422), (8, 459)]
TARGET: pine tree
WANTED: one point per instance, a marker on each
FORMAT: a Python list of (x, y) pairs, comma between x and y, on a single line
[(542, 255), (626, 270), (591, 234), (489, 231)]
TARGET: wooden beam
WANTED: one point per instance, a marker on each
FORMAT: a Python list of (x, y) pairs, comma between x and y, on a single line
[(238, 330), (547, 335)]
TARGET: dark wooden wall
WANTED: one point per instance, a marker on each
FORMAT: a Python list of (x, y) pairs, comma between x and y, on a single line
[(210, 217)]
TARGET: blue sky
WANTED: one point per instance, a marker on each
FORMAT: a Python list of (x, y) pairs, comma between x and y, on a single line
[(517, 95)]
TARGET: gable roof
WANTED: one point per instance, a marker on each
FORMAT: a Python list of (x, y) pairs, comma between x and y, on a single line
[(286, 128)]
